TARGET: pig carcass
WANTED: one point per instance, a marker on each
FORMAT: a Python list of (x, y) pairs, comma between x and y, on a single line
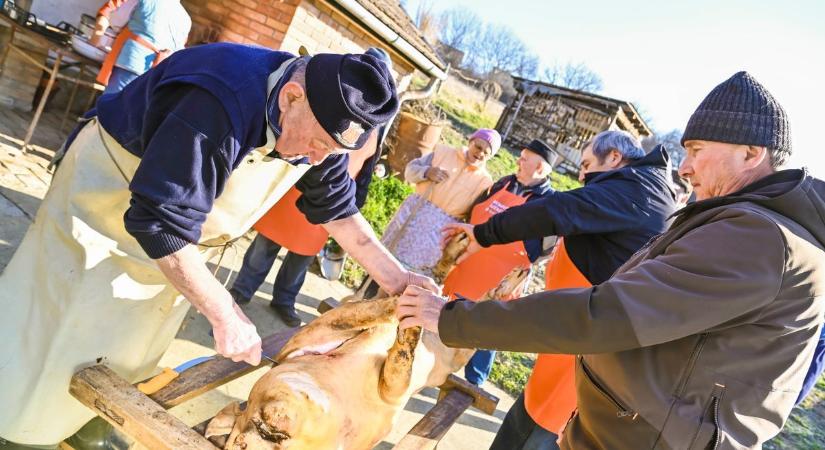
[(343, 378)]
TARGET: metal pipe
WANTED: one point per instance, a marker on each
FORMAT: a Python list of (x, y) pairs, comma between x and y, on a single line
[(421, 93)]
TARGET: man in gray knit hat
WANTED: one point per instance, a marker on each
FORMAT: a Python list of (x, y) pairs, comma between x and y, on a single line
[(702, 339)]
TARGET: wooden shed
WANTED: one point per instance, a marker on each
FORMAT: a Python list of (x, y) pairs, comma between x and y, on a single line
[(564, 118)]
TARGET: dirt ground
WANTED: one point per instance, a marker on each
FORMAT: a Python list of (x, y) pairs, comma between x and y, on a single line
[(23, 183)]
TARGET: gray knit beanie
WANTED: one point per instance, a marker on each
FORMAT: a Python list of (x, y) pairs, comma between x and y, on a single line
[(741, 111)]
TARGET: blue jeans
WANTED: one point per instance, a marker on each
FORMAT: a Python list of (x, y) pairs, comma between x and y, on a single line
[(478, 368), (520, 432), (119, 79), (814, 371), (258, 261)]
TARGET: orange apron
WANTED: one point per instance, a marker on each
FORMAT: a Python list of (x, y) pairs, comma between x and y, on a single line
[(485, 269), (550, 394), (286, 225), (117, 46)]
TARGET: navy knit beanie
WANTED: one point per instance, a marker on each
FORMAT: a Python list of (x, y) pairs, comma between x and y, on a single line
[(740, 111), (350, 95)]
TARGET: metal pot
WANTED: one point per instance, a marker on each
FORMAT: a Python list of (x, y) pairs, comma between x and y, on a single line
[(87, 29), (87, 25)]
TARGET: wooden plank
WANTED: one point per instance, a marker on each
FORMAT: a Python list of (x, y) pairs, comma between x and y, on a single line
[(482, 400), (215, 372), (327, 304), (132, 412), (435, 424)]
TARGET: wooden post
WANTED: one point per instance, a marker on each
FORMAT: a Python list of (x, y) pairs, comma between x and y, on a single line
[(43, 101), (426, 434), (71, 97), (6, 50), (132, 412), (515, 112), (483, 400)]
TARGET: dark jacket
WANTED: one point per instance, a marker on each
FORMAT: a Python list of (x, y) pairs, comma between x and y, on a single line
[(533, 193), (701, 340), (602, 223)]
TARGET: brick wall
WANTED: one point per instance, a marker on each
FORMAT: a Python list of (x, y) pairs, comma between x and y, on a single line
[(20, 78), (262, 22)]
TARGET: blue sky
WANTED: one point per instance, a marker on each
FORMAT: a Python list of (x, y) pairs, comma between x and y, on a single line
[(667, 55)]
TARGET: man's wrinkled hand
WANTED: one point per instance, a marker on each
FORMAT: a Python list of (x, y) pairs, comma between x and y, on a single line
[(416, 279), (237, 338), (451, 230), (419, 307)]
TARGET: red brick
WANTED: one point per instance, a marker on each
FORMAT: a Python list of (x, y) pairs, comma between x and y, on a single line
[(277, 25), (267, 41), (254, 15), (285, 6), (231, 36), (249, 3), (216, 8), (261, 28), (251, 34), (236, 22)]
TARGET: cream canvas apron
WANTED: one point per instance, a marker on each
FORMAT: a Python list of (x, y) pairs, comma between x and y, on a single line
[(80, 290)]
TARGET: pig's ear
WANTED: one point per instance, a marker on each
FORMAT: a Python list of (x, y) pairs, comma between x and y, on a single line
[(397, 370), (336, 326), (224, 421)]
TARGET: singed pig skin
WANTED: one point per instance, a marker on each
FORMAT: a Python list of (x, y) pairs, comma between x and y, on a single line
[(342, 379), (334, 400)]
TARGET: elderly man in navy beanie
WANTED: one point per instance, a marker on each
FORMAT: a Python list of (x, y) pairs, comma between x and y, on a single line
[(171, 170), (703, 338)]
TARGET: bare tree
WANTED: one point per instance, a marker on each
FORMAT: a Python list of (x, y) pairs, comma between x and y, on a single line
[(528, 65), (486, 46), (574, 76), (427, 21), (459, 26), (500, 48)]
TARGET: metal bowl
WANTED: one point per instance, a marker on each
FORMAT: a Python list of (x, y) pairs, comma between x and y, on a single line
[(83, 47)]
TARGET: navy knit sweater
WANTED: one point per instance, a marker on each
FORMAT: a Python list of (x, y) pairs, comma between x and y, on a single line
[(191, 120)]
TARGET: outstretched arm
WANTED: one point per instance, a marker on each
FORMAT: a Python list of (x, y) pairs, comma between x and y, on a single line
[(704, 280), (355, 235)]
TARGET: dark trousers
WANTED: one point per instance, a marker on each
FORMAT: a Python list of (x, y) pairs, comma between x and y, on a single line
[(478, 368), (519, 431), (258, 261), (814, 371)]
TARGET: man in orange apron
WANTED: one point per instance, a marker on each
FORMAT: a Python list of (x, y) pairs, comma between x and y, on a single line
[(156, 29), (482, 271), (626, 200)]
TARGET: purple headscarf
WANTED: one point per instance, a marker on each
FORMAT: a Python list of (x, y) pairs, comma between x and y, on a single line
[(490, 136)]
